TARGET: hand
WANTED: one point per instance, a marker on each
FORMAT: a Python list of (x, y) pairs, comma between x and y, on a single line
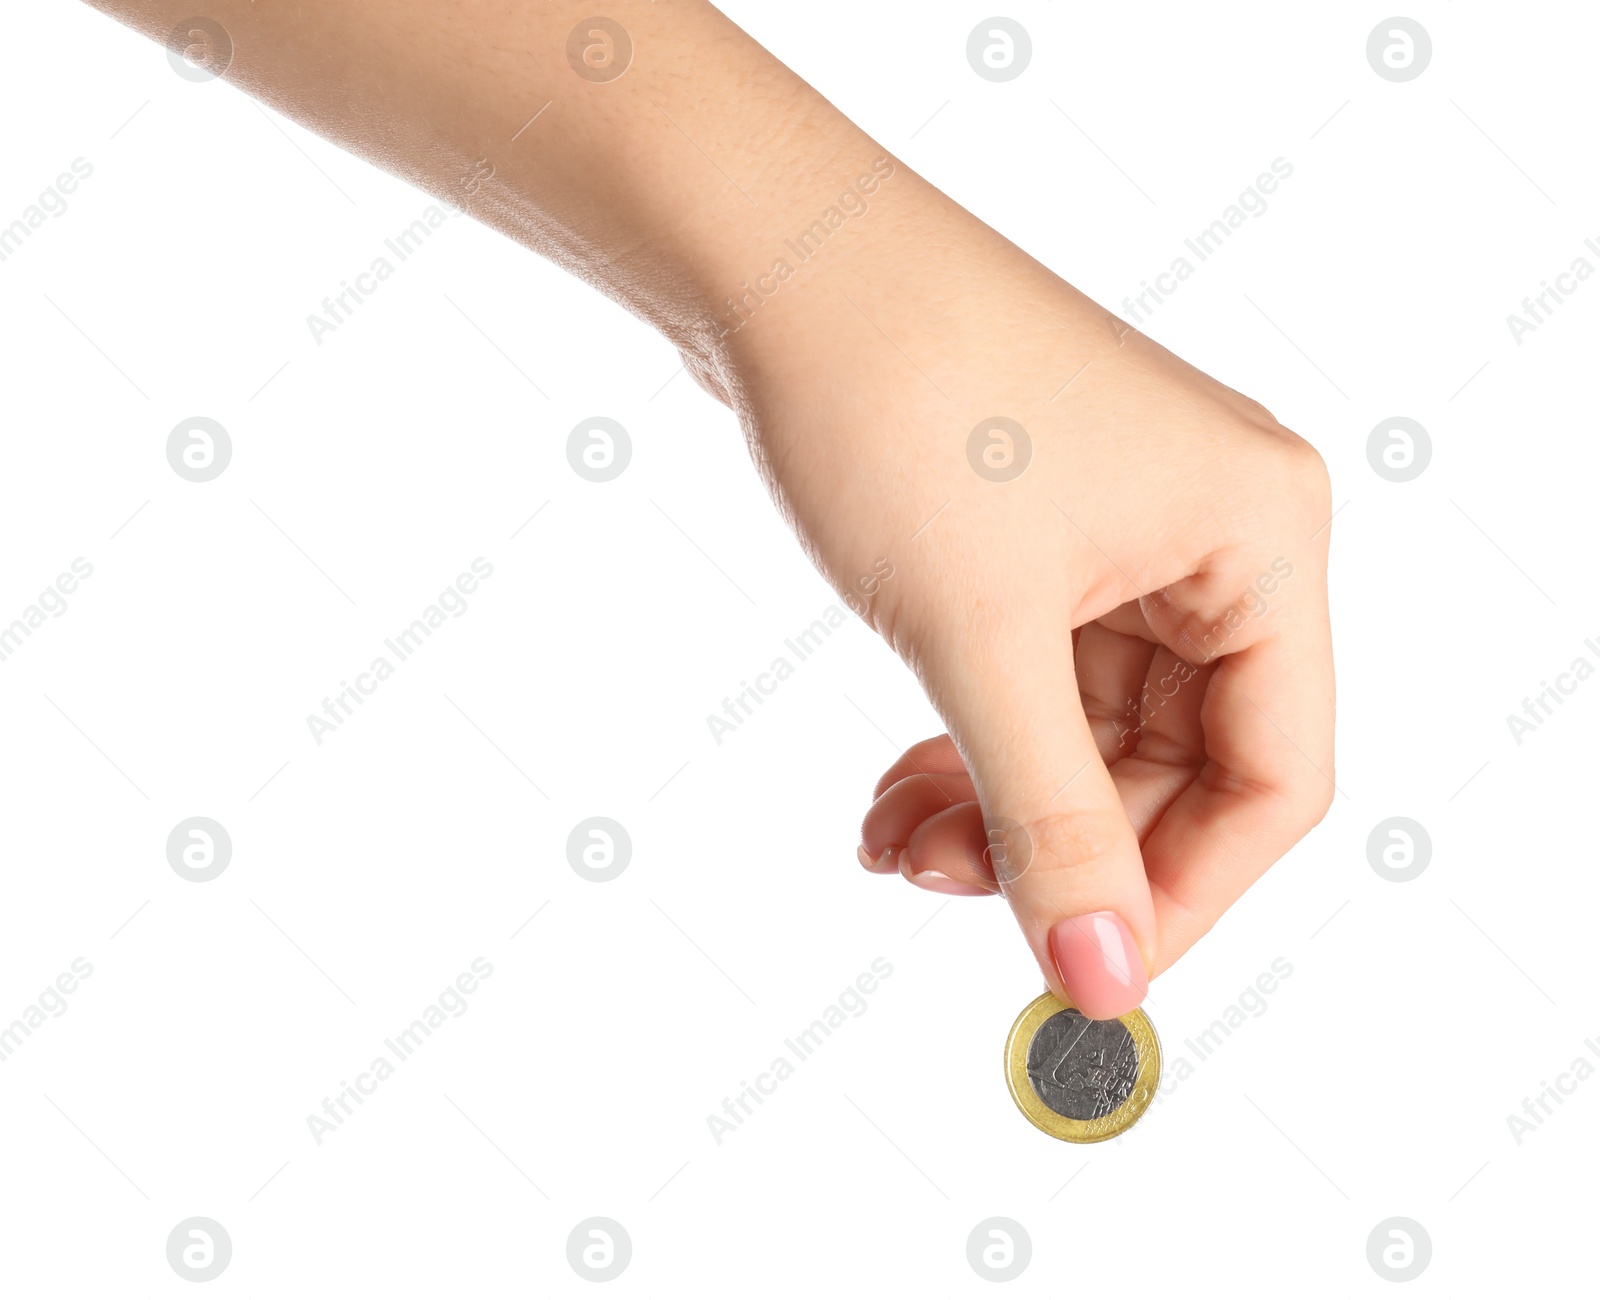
[(1128, 639), (1160, 528)]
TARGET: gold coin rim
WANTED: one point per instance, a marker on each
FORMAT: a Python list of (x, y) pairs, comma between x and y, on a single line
[(1060, 1126)]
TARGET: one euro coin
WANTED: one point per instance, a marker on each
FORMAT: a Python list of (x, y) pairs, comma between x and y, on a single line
[(1078, 1079)]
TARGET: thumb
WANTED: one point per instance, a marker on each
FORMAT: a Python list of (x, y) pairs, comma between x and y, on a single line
[(1060, 841)]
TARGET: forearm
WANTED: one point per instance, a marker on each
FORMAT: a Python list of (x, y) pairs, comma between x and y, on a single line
[(672, 187)]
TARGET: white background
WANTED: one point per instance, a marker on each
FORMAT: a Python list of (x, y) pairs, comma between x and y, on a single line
[(369, 871)]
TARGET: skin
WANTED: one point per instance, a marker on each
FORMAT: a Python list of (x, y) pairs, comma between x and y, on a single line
[(1048, 616)]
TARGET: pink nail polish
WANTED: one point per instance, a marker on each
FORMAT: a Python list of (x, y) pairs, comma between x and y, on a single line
[(1099, 964)]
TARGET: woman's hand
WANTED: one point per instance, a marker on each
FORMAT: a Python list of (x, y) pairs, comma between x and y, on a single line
[(1109, 570), (1109, 574)]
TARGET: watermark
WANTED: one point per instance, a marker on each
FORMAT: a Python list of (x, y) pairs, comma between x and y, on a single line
[(1207, 242), (51, 1004), (859, 595), (807, 244), (599, 1249), (1008, 849), (740, 707), (199, 49), (599, 449), (199, 449), (999, 49), (999, 449), (1541, 1106), (199, 1249), (338, 308), (451, 603), (1398, 449), (451, 1004), (1399, 1249), (599, 849), (999, 1249), (52, 202), (1399, 849), (1253, 604), (599, 49), (1539, 709), (851, 1004), (1251, 1004), (482, 172), (1537, 309), (51, 603), (1399, 49), (199, 849)]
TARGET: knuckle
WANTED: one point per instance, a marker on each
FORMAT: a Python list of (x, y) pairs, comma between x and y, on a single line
[(1321, 803), (1303, 474), (1307, 796)]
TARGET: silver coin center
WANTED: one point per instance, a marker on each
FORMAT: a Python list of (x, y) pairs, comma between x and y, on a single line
[(1083, 1069)]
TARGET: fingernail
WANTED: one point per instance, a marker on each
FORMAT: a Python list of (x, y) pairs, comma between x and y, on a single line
[(885, 864), (863, 857), (936, 882), (1099, 964)]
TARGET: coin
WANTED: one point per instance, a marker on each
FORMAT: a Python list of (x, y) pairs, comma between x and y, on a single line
[(1078, 1079)]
